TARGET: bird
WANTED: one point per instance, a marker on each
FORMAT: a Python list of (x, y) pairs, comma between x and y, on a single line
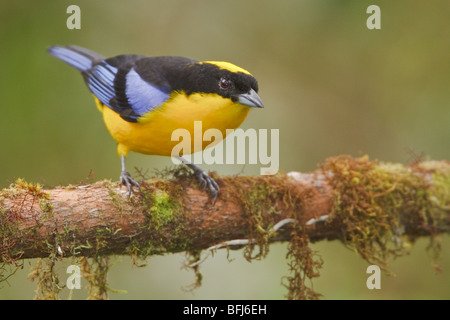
[(143, 99)]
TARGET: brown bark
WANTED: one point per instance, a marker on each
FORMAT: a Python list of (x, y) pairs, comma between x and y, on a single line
[(174, 215)]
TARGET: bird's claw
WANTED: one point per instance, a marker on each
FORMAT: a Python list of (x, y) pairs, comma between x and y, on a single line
[(128, 181), (206, 181)]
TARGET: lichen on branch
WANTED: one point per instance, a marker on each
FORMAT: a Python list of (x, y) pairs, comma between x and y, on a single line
[(374, 208)]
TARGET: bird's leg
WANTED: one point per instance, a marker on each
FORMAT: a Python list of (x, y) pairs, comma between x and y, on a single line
[(203, 178), (126, 179)]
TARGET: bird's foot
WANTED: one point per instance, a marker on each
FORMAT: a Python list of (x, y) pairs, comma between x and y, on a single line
[(207, 182), (128, 181), (203, 178)]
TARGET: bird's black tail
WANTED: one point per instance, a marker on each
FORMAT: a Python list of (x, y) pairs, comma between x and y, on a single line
[(79, 58)]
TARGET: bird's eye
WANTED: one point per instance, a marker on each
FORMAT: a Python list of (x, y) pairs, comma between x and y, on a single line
[(224, 83)]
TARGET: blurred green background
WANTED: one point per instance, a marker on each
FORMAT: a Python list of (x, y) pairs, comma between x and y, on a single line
[(329, 84)]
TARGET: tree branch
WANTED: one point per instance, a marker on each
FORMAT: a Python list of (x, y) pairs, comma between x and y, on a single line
[(354, 200)]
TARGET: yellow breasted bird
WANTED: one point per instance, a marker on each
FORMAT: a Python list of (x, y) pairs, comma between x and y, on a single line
[(144, 99)]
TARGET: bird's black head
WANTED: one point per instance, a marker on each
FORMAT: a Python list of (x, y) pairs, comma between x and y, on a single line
[(224, 79)]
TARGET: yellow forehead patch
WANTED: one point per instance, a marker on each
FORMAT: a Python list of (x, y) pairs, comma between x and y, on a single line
[(227, 66)]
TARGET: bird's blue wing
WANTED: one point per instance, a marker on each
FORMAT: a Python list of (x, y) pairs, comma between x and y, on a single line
[(100, 81), (115, 81), (143, 96), (124, 91)]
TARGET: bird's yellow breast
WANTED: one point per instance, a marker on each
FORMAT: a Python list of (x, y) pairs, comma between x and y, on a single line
[(153, 132)]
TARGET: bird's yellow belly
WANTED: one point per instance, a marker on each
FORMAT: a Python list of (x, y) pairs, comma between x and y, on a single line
[(152, 134)]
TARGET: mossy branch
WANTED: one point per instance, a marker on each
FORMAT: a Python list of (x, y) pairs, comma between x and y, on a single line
[(371, 206)]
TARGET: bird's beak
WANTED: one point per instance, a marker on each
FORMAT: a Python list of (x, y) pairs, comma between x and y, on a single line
[(250, 99)]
